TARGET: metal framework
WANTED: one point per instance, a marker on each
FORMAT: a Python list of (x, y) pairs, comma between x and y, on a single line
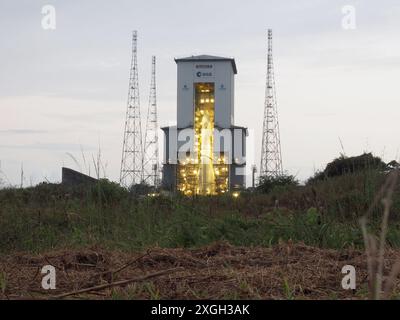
[(151, 172), (271, 157), (132, 149)]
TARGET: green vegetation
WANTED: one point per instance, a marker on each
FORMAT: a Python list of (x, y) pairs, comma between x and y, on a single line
[(268, 184), (345, 165), (323, 213)]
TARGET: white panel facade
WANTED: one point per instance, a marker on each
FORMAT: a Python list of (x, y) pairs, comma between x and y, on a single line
[(185, 95), (223, 94), (221, 74)]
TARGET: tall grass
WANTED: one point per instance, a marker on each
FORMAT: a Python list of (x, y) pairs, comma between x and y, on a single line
[(323, 215), (375, 245)]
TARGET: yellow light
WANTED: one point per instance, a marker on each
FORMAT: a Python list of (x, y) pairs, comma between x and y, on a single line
[(152, 194), (201, 175), (235, 194)]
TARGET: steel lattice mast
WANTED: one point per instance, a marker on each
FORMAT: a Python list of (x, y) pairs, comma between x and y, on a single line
[(271, 158), (151, 161), (132, 151)]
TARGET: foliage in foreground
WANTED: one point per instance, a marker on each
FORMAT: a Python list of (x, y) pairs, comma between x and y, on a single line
[(267, 184), (347, 165), (323, 215)]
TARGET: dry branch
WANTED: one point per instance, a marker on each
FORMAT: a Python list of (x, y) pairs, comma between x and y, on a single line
[(130, 263), (117, 283)]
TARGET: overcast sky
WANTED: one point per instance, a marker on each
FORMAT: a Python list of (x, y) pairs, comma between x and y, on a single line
[(63, 92)]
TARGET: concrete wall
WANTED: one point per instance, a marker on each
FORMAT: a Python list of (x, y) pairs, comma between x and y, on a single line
[(237, 179), (72, 177), (169, 177)]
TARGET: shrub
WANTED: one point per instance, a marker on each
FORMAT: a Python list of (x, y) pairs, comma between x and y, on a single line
[(141, 189), (107, 192), (345, 165), (268, 184)]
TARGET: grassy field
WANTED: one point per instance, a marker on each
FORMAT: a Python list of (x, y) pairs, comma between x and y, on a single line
[(323, 215)]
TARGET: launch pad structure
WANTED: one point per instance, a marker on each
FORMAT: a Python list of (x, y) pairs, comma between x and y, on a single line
[(205, 152)]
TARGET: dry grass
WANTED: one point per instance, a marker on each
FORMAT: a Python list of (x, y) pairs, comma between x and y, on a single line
[(375, 246), (219, 271)]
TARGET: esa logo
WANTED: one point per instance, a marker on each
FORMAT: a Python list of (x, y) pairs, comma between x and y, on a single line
[(203, 74)]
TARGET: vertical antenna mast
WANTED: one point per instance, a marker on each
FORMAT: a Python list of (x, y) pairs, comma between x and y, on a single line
[(131, 163), (271, 158), (150, 152)]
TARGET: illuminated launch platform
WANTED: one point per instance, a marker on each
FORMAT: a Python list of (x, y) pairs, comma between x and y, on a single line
[(205, 153)]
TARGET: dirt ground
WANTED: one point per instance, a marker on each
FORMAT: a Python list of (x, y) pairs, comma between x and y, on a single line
[(219, 271)]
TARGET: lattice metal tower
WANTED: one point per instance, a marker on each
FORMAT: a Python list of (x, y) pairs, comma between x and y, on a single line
[(151, 172), (132, 149), (271, 158)]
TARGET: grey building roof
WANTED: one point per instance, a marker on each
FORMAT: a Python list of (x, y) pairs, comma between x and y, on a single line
[(206, 57)]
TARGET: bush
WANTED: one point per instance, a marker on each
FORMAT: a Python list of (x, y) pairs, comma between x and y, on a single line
[(268, 184), (345, 165), (107, 192), (141, 189)]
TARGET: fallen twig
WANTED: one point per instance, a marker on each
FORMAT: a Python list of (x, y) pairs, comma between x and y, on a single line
[(129, 263), (111, 273), (117, 283)]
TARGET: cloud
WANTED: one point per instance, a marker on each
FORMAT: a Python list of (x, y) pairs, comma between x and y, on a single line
[(85, 117), (97, 64), (50, 146), (23, 131)]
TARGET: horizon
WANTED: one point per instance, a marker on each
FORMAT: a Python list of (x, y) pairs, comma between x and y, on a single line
[(63, 91)]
